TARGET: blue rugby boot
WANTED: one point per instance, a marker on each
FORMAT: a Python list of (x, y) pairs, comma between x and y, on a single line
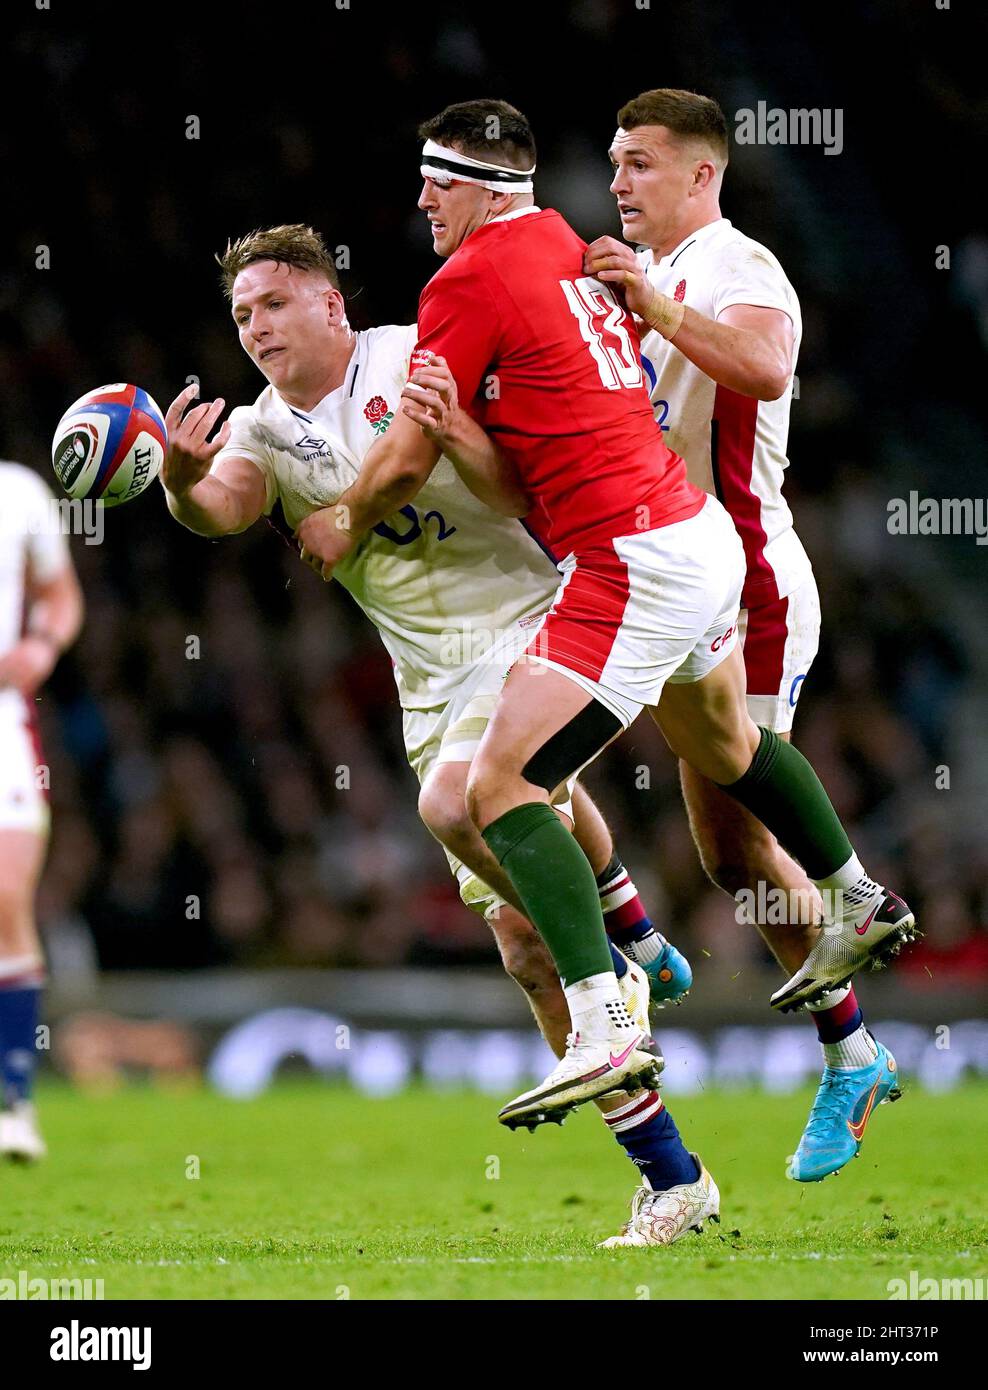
[(840, 1114), (670, 976)]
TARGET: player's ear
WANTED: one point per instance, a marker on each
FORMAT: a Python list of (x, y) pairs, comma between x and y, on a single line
[(335, 308), (704, 175)]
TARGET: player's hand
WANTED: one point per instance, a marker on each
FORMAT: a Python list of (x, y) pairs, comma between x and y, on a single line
[(615, 263), (190, 452), (324, 541), (431, 400), (27, 665)]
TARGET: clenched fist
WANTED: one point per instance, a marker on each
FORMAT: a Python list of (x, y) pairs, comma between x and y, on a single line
[(615, 263)]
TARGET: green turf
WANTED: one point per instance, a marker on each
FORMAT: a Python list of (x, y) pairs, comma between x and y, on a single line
[(315, 1192)]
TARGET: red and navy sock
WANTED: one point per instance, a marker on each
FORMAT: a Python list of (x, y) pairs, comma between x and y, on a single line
[(620, 961), (21, 983), (648, 1134), (628, 925), (847, 1044)]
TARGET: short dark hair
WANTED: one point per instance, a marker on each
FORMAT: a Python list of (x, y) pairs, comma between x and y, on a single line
[(687, 114), (291, 244), (486, 129)]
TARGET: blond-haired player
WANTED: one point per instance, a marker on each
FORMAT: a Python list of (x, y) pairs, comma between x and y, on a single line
[(455, 590), (40, 615)]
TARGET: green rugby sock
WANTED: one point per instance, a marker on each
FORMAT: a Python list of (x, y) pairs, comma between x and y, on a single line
[(556, 884), (782, 790)]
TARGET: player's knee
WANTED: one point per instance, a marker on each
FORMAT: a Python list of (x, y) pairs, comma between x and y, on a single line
[(443, 810)]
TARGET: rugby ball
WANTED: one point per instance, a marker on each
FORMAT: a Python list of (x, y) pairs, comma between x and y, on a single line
[(109, 445)]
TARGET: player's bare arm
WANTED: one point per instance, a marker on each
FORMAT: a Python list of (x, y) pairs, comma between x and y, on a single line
[(748, 349), (393, 473), (55, 615), (431, 400), (221, 503)]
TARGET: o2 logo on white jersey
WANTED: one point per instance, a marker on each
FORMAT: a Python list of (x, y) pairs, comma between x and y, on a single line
[(597, 311), (416, 529), (660, 409)]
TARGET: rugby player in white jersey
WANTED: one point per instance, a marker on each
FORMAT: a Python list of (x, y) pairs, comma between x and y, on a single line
[(40, 615), (456, 592), (720, 331)]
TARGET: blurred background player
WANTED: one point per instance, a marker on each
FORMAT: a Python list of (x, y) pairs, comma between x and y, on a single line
[(721, 330), (40, 615), (456, 593)]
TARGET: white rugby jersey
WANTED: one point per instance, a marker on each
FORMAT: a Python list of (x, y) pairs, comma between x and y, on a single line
[(734, 446), (31, 542), (443, 578)]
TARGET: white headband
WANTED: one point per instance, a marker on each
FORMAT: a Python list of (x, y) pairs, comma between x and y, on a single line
[(443, 166)]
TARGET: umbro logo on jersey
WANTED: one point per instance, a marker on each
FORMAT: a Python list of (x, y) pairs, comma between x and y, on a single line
[(307, 442)]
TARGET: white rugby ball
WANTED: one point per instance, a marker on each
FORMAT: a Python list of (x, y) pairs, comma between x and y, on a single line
[(110, 444)]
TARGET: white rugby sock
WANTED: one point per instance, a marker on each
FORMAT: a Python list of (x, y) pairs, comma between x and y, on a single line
[(850, 890), (596, 1007), (856, 1050)]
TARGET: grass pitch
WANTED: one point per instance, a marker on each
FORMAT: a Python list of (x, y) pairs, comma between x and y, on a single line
[(313, 1191)]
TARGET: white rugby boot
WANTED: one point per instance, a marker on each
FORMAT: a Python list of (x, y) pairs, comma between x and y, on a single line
[(661, 1218), (872, 937), (636, 992), (591, 1067), (20, 1137)]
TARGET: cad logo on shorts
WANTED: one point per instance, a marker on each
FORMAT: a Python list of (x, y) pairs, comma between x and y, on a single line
[(718, 642), (794, 689)]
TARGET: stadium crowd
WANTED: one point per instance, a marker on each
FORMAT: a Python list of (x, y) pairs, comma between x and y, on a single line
[(227, 772)]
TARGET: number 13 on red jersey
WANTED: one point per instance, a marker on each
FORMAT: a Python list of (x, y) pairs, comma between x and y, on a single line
[(598, 312)]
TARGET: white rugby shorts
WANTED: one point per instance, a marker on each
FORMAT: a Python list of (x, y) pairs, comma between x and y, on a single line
[(23, 800), (780, 641), (451, 733)]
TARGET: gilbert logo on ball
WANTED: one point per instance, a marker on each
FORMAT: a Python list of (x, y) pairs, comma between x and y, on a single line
[(110, 444)]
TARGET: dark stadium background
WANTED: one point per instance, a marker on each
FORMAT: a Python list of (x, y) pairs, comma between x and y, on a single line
[(217, 777)]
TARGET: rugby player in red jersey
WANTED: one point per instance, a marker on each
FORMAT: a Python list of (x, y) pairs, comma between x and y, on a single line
[(546, 360)]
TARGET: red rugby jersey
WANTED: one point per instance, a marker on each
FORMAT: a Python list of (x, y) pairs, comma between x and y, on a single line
[(546, 359)]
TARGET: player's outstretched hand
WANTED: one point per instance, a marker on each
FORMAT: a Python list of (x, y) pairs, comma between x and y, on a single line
[(615, 263), (190, 450), (323, 539), (430, 399)]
